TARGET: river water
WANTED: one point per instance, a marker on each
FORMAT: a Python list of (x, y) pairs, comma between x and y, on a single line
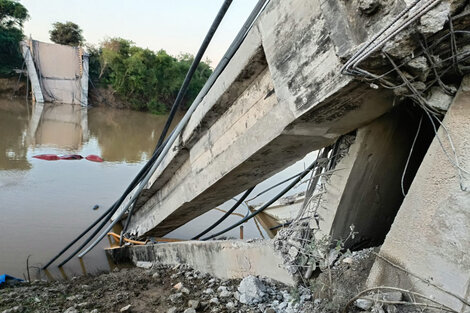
[(45, 204)]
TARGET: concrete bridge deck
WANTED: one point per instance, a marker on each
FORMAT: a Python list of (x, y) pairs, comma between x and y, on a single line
[(282, 95)]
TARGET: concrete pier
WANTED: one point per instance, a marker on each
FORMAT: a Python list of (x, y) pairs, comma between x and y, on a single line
[(428, 244)]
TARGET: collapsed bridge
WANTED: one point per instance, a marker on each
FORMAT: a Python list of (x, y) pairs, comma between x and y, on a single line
[(384, 80)]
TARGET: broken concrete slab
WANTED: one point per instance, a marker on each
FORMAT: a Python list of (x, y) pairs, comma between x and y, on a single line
[(223, 259)]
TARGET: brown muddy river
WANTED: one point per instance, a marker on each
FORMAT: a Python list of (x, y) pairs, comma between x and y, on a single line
[(45, 204)]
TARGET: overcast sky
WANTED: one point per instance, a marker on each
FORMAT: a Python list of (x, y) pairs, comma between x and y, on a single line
[(174, 25)]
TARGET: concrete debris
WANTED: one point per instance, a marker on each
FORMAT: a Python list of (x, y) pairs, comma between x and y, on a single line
[(176, 297), (251, 290), (439, 100), (419, 66), (144, 265), (364, 304), (190, 310), (194, 304), (434, 20), (369, 7)]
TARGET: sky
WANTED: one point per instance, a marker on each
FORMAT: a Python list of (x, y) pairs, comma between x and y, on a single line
[(177, 26)]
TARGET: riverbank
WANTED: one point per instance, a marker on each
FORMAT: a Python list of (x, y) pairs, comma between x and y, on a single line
[(173, 289)]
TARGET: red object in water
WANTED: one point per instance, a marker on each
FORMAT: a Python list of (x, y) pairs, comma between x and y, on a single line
[(47, 157), (94, 158), (71, 157)]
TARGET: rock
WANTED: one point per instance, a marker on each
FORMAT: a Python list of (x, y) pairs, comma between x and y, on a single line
[(144, 265), (392, 296), (391, 308), (82, 305), (208, 291), (230, 305), (194, 304), (73, 298), (94, 311), (363, 304), (214, 300), (178, 286), (185, 290), (190, 310), (251, 290), (69, 310), (348, 260), (223, 292), (434, 20), (127, 308), (172, 310), (439, 100), (175, 298), (156, 275)]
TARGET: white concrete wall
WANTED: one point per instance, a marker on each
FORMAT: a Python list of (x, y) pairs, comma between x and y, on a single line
[(430, 236)]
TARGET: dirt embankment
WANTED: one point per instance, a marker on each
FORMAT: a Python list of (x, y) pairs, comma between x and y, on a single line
[(10, 85), (106, 97)]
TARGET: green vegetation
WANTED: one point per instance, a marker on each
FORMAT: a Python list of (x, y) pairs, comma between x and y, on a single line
[(67, 33), (12, 17), (149, 81)]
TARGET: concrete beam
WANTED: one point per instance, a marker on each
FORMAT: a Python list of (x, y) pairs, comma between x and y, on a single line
[(226, 259), (281, 96), (430, 237), (32, 74), (364, 189)]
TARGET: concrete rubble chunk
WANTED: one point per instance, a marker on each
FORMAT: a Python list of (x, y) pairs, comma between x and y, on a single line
[(190, 310), (439, 100), (369, 6), (194, 304), (434, 20), (392, 296), (251, 290), (214, 300), (144, 265), (363, 304), (172, 310)]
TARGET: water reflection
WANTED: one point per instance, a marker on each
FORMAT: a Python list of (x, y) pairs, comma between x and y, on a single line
[(59, 125), (128, 137), (45, 204), (13, 125)]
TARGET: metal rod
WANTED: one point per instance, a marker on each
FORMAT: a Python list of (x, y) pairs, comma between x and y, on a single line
[(227, 214), (192, 69), (267, 204), (184, 88)]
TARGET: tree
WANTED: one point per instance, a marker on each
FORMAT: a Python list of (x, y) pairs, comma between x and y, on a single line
[(67, 33), (12, 16)]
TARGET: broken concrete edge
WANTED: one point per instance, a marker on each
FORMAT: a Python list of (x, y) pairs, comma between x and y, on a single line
[(224, 259)]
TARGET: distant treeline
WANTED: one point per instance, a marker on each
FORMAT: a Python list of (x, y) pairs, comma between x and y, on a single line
[(12, 16), (148, 81)]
